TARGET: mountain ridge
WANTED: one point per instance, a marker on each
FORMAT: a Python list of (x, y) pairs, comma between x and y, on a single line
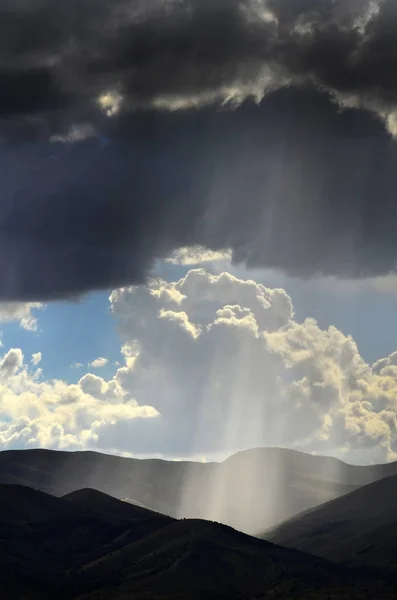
[(251, 490)]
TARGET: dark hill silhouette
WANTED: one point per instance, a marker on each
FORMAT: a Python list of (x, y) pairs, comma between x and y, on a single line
[(252, 490), (99, 503), (20, 504), (358, 528), (45, 537), (201, 559), (94, 552)]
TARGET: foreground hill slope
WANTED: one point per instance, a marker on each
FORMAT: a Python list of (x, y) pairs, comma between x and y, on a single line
[(359, 528), (60, 534), (102, 548), (20, 504), (102, 504), (201, 559), (252, 490)]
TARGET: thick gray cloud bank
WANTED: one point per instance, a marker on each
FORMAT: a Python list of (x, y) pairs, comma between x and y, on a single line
[(131, 128)]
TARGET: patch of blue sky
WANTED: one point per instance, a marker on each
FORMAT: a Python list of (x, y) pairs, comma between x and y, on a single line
[(69, 333)]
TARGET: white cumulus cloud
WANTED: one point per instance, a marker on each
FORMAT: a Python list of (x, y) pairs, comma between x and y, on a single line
[(99, 362), (36, 358), (54, 414), (210, 364), (24, 312), (227, 366)]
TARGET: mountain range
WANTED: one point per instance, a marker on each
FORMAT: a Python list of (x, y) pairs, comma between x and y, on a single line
[(63, 535), (90, 545), (251, 491)]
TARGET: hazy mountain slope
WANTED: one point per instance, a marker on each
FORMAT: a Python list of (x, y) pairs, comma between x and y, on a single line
[(155, 483), (251, 490), (271, 483), (358, 528)]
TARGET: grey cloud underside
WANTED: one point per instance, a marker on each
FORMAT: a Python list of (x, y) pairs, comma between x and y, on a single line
[(294, 182)]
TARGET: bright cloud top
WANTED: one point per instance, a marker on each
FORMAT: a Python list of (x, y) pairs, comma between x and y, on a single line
[(194, 255), (211, 364), (53, 414)]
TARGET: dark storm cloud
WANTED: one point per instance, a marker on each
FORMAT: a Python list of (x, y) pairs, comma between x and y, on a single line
[(293, 182), (165, 49)]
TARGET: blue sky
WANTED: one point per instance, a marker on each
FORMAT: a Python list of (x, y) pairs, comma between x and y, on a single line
[(68, 333)]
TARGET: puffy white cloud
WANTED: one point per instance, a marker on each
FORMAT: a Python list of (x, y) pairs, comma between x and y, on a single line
[(221, 261), (11, 362), (54, 414), (226, 366), (22, 312), (99, 362), (36, 358)]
